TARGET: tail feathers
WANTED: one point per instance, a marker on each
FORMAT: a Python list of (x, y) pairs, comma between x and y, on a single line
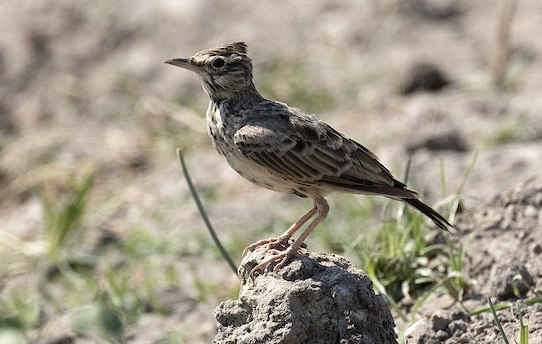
[(423, 208)]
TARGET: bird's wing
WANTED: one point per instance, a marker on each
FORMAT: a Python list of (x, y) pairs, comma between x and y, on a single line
[(302, 149)]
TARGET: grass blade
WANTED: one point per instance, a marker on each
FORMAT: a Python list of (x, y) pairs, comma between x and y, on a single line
[(524, 334), (523, 331), (497, 321), (467, 173), (505, 305), (63, 218), (443, 179), (203, 214)]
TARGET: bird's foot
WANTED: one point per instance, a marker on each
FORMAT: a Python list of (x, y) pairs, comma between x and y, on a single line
[(284, 256), (280, 243)]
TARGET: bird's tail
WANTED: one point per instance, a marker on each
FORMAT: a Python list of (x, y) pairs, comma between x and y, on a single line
[(423, 208)]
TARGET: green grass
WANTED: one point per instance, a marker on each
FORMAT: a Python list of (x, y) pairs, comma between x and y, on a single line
[(63, 214), (407, 261), (523, 330), (98, 320), (18, 310), (104, 289), (517, 129)]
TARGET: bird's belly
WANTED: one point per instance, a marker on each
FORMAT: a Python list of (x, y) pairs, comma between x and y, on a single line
[(256, 174)]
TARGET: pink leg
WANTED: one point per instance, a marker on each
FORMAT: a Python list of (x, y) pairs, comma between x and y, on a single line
[(284, 237), (322, 208)]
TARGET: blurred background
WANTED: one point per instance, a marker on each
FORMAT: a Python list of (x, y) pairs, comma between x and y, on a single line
[(96, 221)]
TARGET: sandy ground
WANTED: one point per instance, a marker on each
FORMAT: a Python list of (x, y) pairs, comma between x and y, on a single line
[(83, 87)]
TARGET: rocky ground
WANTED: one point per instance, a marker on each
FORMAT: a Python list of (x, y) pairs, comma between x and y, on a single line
[(502, 242), (83, 89)]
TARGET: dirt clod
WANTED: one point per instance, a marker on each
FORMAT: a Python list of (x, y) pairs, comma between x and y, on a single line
[(510, 278), (450, 140), (318, 298), (423, 76)]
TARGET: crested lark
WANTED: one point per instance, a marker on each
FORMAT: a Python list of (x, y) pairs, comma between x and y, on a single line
[(284, 149)]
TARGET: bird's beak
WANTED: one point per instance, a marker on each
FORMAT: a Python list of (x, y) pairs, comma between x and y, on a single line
[(183, 63)]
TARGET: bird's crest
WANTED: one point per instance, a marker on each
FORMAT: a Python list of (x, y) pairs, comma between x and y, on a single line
[(237, 48)]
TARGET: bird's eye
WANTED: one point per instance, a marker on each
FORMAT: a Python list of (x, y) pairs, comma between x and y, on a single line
[(218, 62)]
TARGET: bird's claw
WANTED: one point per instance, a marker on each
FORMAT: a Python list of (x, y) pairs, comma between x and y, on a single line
[(272, 243), (284, 256)]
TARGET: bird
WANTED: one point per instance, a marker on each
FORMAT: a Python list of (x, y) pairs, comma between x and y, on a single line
[(284, 149)]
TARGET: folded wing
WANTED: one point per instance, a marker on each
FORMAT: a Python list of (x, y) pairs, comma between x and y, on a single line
[(307, 151)]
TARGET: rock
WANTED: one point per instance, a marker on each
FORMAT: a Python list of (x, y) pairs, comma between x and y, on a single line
[(537, 248), (317, 298), (420, 333), (441, 327), (435, 10), (450, 140), (423, 76), (7, 125), (440, 320), (63, 340), (509, 275)]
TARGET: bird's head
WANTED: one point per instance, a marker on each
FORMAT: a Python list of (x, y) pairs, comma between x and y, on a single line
[(225, 70)]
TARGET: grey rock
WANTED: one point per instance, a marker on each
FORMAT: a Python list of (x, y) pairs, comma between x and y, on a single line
[(423, 76), (440, 320), (507, 276), (317, 299), (449, 140), (441, 327)]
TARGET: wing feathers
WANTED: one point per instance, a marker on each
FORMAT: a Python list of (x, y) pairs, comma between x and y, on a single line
[(303, 150)]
